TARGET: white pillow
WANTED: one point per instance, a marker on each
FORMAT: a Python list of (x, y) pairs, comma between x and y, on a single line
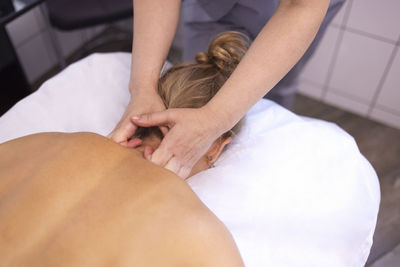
[(293, 191)]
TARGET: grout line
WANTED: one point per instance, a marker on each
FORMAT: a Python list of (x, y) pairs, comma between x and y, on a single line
[(343, 25), (349, 96), (347, 12), (382, 80), (388, 110), (41, 24), (342, 21), (27, 39), (50, 50), (366, 34), (335, 25), (370, 35), (310, 82), (28, 36), (332, 64), (335, 53)]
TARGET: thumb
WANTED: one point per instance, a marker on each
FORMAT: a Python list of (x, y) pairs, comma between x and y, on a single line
[(123, 132), (162, 118)]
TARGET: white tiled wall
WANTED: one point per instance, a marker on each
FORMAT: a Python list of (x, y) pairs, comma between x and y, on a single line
[(32, 42), (389, 95), (357, 66), (380, 18), (360, 64), (316, 69)]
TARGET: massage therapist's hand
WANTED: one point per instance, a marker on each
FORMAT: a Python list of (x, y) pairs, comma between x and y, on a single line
[(142, 101), (191, 133)]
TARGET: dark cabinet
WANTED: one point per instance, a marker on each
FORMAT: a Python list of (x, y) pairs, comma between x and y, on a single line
[(13, 83)]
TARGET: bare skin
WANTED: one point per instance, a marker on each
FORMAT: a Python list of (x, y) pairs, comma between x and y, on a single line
[(276, 49), (83, 200)]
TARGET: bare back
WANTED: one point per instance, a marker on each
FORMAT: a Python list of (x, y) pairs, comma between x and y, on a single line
[(82, 200)]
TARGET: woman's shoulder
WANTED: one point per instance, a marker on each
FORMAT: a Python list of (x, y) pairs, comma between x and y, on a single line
[(80, 151), (91, 193), (63, 143)]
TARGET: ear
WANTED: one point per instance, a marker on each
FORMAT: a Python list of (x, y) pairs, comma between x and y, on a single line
[(216, 149)]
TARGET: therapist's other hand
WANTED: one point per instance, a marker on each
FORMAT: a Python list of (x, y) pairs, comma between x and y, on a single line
[(146, 100), (191, 133)]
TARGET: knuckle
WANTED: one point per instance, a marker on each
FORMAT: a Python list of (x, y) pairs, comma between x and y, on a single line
[(146, 117), (168, 117), (172, 116)]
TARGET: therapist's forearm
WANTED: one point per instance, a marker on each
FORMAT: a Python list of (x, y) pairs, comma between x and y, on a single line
[(155, 23), (277, 48)]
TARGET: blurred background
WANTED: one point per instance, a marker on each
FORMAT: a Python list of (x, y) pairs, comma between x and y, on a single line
[(353, 79)]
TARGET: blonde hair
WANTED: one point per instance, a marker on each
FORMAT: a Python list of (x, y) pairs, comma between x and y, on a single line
[(193, 84)]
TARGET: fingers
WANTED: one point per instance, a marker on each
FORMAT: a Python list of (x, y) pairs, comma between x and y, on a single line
[(187, 139), (132, 143), (148, 151), (184, 172), (175, 166), (123, 133), (161, 118), (162, 155), (164, 130), (124, 143)]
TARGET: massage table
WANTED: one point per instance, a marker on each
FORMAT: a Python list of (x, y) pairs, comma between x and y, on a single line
[(293, 191)]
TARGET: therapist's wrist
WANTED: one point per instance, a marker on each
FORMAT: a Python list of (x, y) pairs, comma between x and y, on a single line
[(144, 81), (219, 117), (143, 93), (143, 86)]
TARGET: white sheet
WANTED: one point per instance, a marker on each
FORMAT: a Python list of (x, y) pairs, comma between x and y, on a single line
[(293, 191)]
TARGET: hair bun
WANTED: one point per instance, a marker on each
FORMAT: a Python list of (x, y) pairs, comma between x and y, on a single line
[(225, 51), (202, 58)]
